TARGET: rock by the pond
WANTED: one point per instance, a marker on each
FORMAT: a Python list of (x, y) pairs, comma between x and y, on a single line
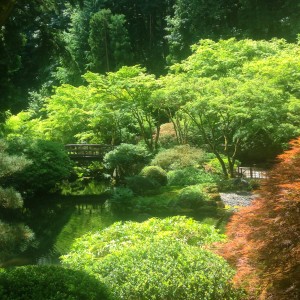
[(238, 198)]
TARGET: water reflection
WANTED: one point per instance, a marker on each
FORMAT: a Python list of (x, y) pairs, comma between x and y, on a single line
[(57, 224)]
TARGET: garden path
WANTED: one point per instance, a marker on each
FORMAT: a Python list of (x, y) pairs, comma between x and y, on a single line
[(243, 198)]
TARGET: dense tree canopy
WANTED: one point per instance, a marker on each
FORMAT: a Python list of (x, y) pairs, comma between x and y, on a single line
[(232, 99), (237, 99), (45, 43)]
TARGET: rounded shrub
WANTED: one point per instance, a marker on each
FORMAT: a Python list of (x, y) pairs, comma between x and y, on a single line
[(155, 173), (210, 187), (49, 282), (141, 185), (156, 259), (93, 246), (192, 197), (126, 160)]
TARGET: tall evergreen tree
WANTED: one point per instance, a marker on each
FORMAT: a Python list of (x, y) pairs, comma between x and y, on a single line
[(108, 41)]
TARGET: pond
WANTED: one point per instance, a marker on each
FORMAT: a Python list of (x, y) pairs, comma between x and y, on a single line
[(58, 220)]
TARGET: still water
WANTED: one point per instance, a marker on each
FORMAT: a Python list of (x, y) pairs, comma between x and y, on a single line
[(56, 223)]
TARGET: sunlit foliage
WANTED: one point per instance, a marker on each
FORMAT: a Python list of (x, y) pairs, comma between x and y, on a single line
[(156, 259)]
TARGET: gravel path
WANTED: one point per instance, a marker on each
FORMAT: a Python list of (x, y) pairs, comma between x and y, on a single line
[(237, 198)]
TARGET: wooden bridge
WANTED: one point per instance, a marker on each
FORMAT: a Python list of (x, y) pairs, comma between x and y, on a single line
[(87, 151), (251, 172)]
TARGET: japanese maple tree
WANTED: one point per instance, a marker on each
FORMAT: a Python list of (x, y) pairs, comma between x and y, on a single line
[(264, 238)]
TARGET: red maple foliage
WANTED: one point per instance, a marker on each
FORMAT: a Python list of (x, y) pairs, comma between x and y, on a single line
[(264, 238)]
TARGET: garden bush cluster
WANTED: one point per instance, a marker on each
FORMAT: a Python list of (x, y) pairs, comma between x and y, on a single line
[(179, 157), (155, 173), (180, 167), (156, 259), (126, 160)]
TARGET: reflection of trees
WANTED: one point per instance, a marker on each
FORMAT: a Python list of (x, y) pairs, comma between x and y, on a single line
[(14, 237)]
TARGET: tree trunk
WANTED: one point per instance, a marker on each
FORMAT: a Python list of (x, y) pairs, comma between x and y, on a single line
[(231, 166), (224, 169)]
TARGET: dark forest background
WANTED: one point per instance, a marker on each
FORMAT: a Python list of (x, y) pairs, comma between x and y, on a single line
[(47, 43)]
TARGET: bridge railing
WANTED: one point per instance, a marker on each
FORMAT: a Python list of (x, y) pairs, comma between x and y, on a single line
[(87, 150), (251, 172)]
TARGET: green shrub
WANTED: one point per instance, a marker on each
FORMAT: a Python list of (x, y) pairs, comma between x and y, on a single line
[(89, 170), (155, 173), (156, 203), (126, 160), (254, 184), (189, 176), (49, 282), (179, 157), (141, 185), (50, 165), (156, 259), (10, 198), (167, 269), (192, 197), (120, 235), (210, 187), (91, 187)]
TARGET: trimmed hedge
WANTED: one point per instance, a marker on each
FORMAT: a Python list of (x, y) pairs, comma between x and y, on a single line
[(141, 185), (155, 173), (192, 197), (126, 160)]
